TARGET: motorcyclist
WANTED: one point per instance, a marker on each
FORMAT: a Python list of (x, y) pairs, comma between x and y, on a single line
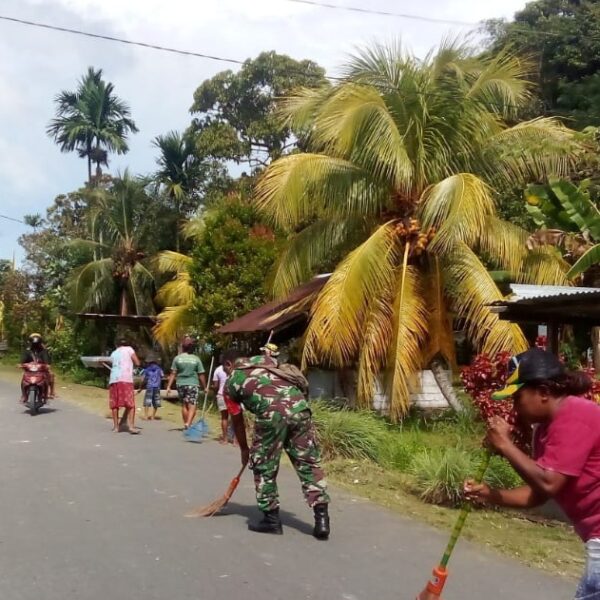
[(37, 353)]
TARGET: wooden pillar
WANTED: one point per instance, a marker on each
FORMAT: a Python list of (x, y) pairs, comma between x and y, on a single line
[(553, 333)]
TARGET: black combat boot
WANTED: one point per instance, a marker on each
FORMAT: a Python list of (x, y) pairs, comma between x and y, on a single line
[(321, 530), (271, 523)]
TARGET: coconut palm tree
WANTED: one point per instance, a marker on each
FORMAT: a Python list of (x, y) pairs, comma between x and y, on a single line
[(179, 169), (92, 120), (116, 279), (403, 158)]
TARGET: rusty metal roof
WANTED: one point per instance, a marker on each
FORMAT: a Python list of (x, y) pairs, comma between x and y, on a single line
[(279, 314)]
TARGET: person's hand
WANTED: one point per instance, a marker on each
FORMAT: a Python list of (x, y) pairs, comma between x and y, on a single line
[(167, 391), (498, 434), (476, 492), (245, 452)]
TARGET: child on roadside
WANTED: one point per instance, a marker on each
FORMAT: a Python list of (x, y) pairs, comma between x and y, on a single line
[(153, 375)]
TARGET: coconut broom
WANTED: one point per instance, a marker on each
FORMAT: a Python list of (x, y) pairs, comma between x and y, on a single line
[(216, 505)]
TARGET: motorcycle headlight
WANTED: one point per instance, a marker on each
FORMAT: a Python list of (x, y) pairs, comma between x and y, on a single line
[(34, 369)]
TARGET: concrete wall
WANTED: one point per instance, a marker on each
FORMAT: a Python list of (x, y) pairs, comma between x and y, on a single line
[(327, 384)]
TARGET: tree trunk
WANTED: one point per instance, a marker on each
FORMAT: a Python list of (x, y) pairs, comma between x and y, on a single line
[(445, 384), (124, 308), (89, 158)]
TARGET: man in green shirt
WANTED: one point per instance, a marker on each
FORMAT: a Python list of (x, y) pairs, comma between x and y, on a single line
[(188, 372)]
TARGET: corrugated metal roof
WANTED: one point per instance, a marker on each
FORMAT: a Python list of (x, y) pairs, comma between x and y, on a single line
[(531, 292)]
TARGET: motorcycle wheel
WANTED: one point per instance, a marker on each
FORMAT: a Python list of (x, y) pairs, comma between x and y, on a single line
[(33, 398)]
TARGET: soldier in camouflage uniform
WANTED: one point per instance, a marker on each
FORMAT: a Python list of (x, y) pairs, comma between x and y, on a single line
[(283, 421)]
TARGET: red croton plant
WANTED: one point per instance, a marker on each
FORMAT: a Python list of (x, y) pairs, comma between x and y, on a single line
[(487, 374)]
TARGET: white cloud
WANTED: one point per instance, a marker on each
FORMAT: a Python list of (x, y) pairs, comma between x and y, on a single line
[(38, 63)]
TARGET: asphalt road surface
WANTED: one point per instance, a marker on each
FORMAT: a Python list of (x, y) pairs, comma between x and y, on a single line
[(92, 515)]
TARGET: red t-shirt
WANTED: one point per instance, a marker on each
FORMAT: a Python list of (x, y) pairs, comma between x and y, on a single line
[(570, 445)]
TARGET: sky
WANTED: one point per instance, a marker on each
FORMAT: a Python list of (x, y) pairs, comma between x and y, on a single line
[(38, 63)]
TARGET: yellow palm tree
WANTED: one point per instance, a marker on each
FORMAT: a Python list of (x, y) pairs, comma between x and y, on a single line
[(404, 156)]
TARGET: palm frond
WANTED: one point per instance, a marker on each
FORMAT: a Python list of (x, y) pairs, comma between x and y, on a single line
[(544, 265), (172, 322), (374, 347), (354, 123), (298, 187), (92, 286), (338, 314), (531, 151), (504, 243), (177, 292), (311, 247), (405, 357), (458, 207), (170, 261), (473, 291)]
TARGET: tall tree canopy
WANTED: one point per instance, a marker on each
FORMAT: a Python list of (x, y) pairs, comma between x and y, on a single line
[(564, 38), (236, 117), (398, 176), (92, 120)]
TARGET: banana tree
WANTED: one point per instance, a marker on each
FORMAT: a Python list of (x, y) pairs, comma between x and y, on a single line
[(570, 220)]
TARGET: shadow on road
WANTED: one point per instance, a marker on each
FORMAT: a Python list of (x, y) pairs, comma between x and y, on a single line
[(252, 513), (42, 411)]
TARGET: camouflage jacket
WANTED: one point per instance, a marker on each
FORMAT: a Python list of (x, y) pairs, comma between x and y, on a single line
[(258, 389)]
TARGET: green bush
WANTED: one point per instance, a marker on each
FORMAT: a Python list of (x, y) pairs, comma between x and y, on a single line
[(440, 473), (398, 449), (500, 474), (347, 434)]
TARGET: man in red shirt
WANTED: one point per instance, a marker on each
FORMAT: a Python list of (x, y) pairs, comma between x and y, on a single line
[(566, 451)]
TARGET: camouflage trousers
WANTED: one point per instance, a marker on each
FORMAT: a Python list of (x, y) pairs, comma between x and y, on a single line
[(280, 430)]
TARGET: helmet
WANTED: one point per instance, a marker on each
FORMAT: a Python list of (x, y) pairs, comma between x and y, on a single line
[(35, 339)]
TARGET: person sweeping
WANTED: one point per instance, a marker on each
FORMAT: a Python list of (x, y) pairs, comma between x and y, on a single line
[(283, 421), (565, 463)]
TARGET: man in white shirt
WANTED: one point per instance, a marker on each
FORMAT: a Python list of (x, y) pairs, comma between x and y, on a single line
[(218, 385)]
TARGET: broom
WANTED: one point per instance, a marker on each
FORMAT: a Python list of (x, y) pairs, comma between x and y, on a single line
[(200, 428), (435, 585), (216, 505)]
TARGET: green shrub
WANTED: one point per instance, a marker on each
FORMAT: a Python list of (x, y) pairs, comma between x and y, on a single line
[(440, 473), (347, 434), (501, 474), (398, 449), (85, 376)]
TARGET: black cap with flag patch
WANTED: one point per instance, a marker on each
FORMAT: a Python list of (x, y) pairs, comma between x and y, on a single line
[(529, 367)]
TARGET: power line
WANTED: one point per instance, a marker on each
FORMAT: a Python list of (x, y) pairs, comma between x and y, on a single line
[(437, 20), (111, 38), (12, 219), (385, 13), (219, 58)]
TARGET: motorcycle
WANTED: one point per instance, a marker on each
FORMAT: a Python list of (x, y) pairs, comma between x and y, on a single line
[(35, 385)]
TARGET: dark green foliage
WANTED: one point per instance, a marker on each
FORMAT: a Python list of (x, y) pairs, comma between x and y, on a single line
[(236, 112), (231, 258), (563, 39)]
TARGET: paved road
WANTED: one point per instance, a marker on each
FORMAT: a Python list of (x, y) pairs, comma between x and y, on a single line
[(92, 515)]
